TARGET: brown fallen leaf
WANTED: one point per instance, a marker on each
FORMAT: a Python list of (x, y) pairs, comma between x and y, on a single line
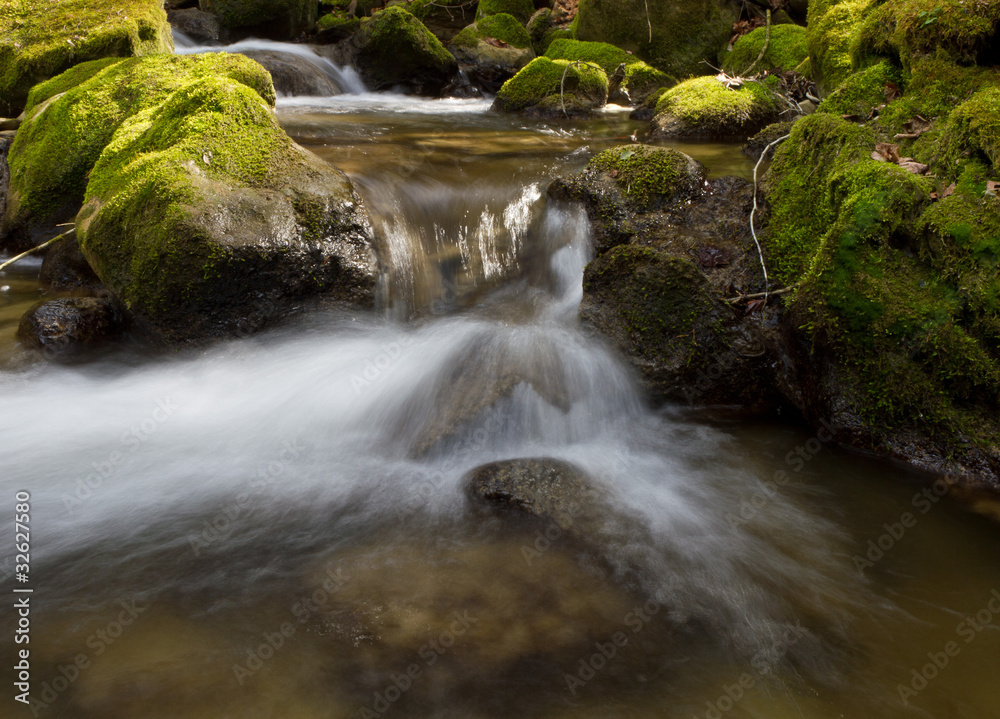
[(949, 190), (754, 306), (892, 92), (878, 156), (888, 151), (913, 128), (992, 187), (494, 42), (911, 165)]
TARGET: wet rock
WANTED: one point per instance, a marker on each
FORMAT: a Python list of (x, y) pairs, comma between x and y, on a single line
[(293, 75), (5, 144), (70, 328), (704, 107), (65, 268), (274, 19), (197, 24), (554, 88), (549, 489), (394, 49), (491, 51)]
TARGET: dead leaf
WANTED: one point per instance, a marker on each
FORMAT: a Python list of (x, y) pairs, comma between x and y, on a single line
[(613, 173), (914, 128), (754, 306), (949, 190), (992, 187), (892, 92), (494, 42), (879, 157), (888, 151), (911, 165)]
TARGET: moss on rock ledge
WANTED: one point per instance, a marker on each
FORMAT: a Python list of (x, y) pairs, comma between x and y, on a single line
[(786, 50), (40, 40), (206, 220), (536, 88), (62, 138), (704, 107), (520, 9), (640, 78), (501, 27)]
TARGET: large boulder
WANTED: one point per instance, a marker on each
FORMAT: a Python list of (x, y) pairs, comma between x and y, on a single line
[(394, 49), (71, 118), (639, 79), (275, 19), (294, 75), (704, 107), (674, 37), (206, 220), (520, 9), (200, 26), (492, 50), (552, 88), (40, 40)]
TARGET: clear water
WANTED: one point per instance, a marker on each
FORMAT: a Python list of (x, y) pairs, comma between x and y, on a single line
[(276, 527)]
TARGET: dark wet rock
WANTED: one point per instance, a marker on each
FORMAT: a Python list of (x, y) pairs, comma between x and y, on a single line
[(65, 268), (196, 24), (487, 67), (756, 144), (294, 75), (5, 144), (444, 18), (274, 19), (393, 49), (550, 489), (70, 328)]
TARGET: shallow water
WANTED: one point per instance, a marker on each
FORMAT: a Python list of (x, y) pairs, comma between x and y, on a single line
[(277, 528)]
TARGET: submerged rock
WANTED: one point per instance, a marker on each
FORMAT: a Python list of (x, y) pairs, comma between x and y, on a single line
[(705, 108), (394, 49), (202, 215), (40, 40), (69, 328), (554, 88)]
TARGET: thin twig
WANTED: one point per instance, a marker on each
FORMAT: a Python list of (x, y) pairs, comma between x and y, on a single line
[(763, 49), (12, 260), (762, 295), (562, 82), (649, 22), (753, 231)]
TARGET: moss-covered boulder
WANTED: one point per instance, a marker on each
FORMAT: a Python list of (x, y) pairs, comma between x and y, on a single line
[(72, 117), (831, 30), (895, 311), (492, 50), (276, 19), (704, 107), (538, 26), (394, 49), (553, 88), (640, 79), (520, 9), (786, 50), (334, 27), (206, 220), (672, 36), (862, 91), (444, 18), (39, 40)]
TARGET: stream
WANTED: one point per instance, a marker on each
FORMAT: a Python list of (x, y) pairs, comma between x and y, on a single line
[(278, 527)]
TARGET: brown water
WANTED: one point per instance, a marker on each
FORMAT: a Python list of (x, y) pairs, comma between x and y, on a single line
[(276, 527)]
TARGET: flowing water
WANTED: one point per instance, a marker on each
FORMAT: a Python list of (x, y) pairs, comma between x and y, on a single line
[(277, 527)]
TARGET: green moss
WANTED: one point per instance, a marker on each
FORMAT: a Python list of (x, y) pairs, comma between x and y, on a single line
[(786, 50), (831, 29), (684, 32), (551, 36), (642, 80), (290, 16), (607, 56), (76, 75), (520, 9), (975, 124), (862, 91), (706, 105), (500, 26), (645, 174), (40, 40), (897, 294), (393, 43), (57, 146), (539, 24), (586, 87), (335, 20)]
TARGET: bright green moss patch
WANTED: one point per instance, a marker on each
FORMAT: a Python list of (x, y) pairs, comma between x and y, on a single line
[(55, 149), (831, 29), (500, 26), (520, 9), (393, 44), (976, 124), (607, 56), (39, 40), (335, 20), (585, 87), (862, 91), (897, 293), (705, 106), (644, 173), (786, 50), (66, 81)]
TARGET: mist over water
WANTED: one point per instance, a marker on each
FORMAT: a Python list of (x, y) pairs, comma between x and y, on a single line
[(221, 489)]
